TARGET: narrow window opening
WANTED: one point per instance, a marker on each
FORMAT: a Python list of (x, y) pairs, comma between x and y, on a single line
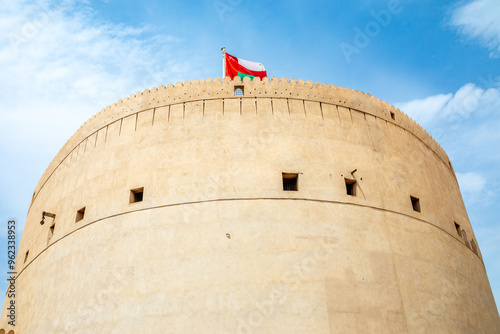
[(26, 256), (457, 227), (290, 181), (239, 90), (393, 116), (136, 195), (80, 214), (415, 203), (51, 232), (350, 186)]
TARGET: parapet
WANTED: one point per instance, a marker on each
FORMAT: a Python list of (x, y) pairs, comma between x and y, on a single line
[(217, 89)]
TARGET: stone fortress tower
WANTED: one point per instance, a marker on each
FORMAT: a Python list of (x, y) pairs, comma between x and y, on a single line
[(268, 206)]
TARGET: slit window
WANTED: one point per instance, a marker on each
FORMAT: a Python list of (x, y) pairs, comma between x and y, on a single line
[(290, 182), (350, 186), (457, 227), (51, 231), (415, 203), (26, 256), (80, 214), (136, 195), (238, 90), (393, 116)]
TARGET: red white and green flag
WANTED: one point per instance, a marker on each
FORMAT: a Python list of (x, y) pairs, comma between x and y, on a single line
[(237, 67)]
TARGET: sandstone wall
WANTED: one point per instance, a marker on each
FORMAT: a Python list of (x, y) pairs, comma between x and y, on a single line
[(217, 246)]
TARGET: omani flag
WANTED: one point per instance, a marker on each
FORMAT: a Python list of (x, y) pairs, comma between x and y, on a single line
[(243, 68)]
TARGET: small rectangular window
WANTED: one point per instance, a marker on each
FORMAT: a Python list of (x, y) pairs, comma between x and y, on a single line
[(350, 186), (457, 227), (80, 214), (136, 195), (393, 116), (26, 256), (415, 203), (290, 181), (239, 90)]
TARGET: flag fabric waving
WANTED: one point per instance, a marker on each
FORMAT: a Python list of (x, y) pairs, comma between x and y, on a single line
[(236, 67)]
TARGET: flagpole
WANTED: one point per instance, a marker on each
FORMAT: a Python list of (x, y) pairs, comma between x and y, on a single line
[(223, 49)]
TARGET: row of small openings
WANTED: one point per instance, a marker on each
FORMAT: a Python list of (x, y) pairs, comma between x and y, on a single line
[(462, 234), (291, 183), (136, 195), (240, 91)]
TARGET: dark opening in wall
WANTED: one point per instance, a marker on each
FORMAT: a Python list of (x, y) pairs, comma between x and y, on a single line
[(26, 256), (80, 214), (415, 203), (350, 186), (239, 90), (457, 227), (51, 232), (136, 195), (290, 182), (393, 116)]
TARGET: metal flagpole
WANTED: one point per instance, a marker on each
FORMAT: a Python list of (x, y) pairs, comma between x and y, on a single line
[(223, 49)]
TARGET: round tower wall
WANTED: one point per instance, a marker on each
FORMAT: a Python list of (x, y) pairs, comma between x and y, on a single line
[(216, 244)]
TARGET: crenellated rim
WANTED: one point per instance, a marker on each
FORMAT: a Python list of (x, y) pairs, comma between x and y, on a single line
[(206, 89)]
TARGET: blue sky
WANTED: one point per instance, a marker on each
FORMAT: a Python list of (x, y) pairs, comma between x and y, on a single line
[(61, 62)]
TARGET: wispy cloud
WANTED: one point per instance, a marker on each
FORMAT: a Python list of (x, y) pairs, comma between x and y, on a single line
[(480, 20), (465, 123), (63, 64), (473, 187), (425, 111), (453, 107)]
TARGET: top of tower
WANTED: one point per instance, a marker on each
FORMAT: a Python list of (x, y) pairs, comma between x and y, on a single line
[(202, 90)]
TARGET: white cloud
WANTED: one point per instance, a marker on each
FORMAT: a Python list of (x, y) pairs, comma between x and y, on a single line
[(61, 65), (465, 123), (471, 183), (453, 107), (480, 20), (424, 111), (475, 191)]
